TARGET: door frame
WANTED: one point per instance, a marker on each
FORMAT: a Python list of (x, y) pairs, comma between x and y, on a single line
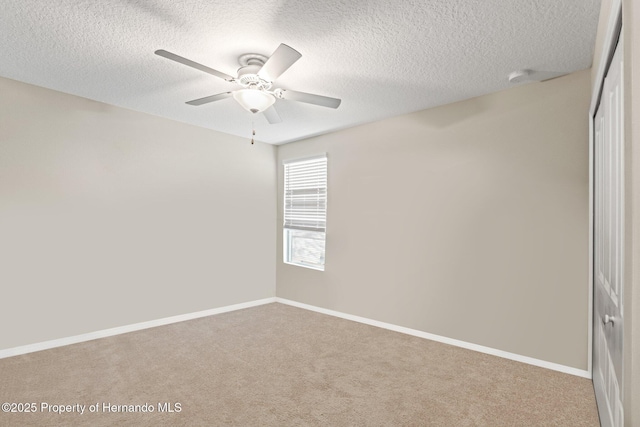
[(614, 31)]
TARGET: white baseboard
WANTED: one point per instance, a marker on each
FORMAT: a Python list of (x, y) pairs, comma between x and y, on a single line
[(45, 345), (475, 347)]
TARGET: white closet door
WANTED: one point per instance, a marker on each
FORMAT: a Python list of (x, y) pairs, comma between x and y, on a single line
[(608, 246)]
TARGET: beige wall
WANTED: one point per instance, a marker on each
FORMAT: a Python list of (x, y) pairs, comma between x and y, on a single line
[(631, 34), (110, 217), (468, 221)]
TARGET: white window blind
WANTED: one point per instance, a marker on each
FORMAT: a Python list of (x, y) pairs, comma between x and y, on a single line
[(305, 211), (305, 194)]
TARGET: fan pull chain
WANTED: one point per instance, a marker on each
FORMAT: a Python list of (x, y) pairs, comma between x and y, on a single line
[(254, 134)]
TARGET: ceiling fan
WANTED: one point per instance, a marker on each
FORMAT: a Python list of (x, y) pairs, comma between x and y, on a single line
[(256, 75)]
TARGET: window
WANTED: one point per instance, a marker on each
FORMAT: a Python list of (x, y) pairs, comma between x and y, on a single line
[(305, 211)]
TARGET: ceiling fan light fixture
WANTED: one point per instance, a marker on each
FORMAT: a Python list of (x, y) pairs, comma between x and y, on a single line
[(254, 100)]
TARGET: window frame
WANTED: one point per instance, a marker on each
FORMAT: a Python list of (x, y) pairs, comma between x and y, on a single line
[(310, 217)]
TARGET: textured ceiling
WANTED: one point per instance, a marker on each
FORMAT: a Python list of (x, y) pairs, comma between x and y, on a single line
[(381, 58)]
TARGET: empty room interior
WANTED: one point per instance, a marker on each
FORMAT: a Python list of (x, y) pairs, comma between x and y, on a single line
[(276, 212)]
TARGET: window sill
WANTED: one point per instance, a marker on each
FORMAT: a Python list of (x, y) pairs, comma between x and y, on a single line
[(305, 266)]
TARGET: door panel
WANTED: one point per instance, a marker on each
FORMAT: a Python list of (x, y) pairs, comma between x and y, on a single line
[(608, 246)]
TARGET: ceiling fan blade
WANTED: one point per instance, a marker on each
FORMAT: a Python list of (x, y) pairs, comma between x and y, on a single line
[(309, 98), (279, 62), (272, 116), (190, 63), (211, 98)]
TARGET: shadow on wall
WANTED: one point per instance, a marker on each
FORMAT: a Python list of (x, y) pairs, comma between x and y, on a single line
[(442, 117)]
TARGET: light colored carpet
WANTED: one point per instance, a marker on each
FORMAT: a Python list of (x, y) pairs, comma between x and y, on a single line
[(276, 365)]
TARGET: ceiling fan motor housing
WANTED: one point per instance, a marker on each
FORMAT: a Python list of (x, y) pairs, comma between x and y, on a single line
[(248, 77)]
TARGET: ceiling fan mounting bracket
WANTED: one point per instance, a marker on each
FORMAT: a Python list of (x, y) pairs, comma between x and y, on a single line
[(252, 59)]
